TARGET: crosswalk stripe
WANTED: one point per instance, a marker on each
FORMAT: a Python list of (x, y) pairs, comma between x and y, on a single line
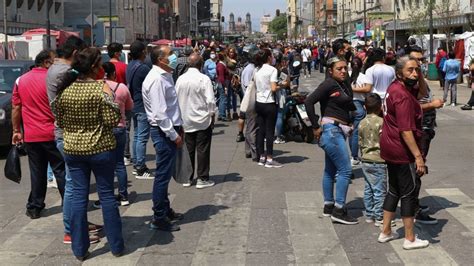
[(224, 238), (20, 250), (432, 255), (307, 228), (136, 236), (456, 203)]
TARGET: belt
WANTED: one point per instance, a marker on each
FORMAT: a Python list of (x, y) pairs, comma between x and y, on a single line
[(326, 120)]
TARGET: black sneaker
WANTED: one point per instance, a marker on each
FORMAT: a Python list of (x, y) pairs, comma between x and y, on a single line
[(144, 173), (240, 137), (424, 208), (164, 225), (340, 215), (33, 213), (123, 200), (327, 211), (175, 216), (424, 218)]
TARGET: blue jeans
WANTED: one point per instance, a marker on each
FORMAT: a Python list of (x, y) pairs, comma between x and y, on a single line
[(375, 175), (231, 99), (165, 168), (80, 168), (222, 100), (337, 163), (67, 190), (279, 122), (120, 171), (141, 136), (359, 114)]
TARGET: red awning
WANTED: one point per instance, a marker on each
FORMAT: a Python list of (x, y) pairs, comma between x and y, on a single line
[(60, 35)]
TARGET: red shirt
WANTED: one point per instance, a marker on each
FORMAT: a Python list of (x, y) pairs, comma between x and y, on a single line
[(120, 71), (222, 73), (315, 53), (30, 93), (439, 55), (402, 112)]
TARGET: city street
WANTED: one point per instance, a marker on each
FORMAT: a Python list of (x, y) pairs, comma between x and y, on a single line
[(260, 216)]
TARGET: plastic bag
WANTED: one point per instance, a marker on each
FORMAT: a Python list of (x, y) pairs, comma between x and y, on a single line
[(12, 165), (184, 168)]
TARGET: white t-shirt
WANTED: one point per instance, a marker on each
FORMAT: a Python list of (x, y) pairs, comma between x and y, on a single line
[(380, 76), (360, 82), (306, 54), (263, 78)]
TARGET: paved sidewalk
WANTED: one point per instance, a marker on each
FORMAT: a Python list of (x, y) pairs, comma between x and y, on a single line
[(260, 216)]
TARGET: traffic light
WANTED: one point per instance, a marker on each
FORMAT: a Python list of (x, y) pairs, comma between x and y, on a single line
[(278, 12), (222, 19)]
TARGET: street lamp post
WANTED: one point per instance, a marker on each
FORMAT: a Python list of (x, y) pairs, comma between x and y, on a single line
[(430, 10), (5, 28), (48, 26), (92, 23), (365, 22), (110, 21)]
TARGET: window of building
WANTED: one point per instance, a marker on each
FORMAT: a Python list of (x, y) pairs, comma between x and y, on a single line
[(30, 4), (40, 4), (19, 3)]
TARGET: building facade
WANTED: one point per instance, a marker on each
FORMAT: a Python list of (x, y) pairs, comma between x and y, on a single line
[(265, 23), (26, 15)]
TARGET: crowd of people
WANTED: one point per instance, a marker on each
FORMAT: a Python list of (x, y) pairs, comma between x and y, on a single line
[(77, 113)]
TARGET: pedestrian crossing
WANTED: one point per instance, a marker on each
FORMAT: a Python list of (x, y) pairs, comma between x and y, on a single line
[(224, 237)]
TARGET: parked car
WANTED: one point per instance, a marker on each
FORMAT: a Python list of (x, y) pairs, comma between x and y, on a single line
[(10, 70)]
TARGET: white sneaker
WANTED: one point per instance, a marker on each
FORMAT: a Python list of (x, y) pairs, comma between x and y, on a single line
[(52, 183), (187, 184), (418, 243), (126, 161), (204, 183), (383, 238), (453, 105), (369, 220), (354, 162)]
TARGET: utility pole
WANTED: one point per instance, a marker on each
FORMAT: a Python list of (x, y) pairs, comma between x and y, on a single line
[(430, 10), (395, 25), (92, 24), (343, 22), (144, 20), (365, 22), (48, 26), (326, 22), (110, 21), (5, 28)]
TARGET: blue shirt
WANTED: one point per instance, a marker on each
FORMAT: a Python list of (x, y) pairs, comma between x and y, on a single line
[(452, 68), (210, 69), (136, 74)]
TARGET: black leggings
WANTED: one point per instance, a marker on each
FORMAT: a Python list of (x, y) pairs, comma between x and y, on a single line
[(266, 121), (404, 185)]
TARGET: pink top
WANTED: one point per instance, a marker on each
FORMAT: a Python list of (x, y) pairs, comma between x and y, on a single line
[(122, 98), (29, 92)]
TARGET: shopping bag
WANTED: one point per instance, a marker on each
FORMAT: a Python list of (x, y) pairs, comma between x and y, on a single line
[(12, 169), (184, 168), (248, 102)]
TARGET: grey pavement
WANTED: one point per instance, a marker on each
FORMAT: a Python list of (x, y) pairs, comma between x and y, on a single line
[(260, 216)]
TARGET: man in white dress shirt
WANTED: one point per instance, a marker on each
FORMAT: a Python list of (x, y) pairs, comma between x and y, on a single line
[(163, 114), (196, 94)]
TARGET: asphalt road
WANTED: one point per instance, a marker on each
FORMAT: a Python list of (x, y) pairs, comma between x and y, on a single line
[(259, 216)]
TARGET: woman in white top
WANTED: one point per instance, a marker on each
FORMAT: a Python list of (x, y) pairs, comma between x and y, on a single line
[(266, 79)]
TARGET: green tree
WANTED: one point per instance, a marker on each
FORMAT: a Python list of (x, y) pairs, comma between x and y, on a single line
[(278, 26)]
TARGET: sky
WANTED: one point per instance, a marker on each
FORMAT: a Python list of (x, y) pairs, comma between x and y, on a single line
[(256, 8)]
